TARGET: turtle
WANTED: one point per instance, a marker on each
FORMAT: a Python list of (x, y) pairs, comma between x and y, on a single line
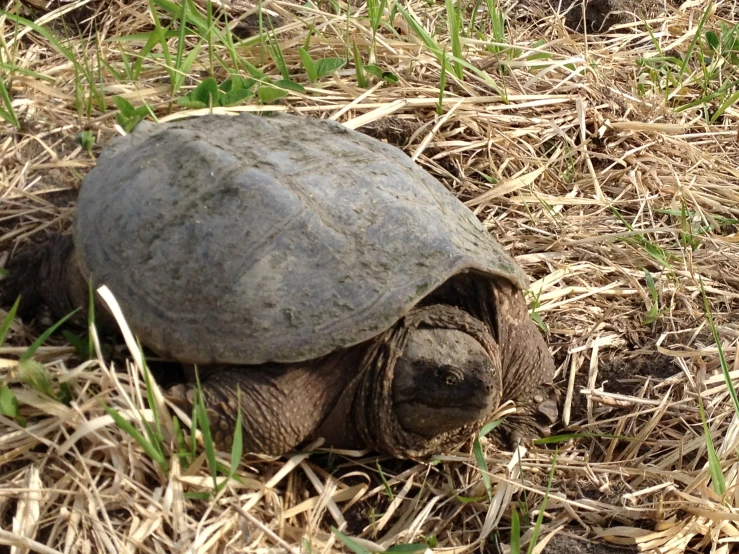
[(324, 285)]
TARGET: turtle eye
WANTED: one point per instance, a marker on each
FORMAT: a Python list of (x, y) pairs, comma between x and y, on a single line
[(448, 376)]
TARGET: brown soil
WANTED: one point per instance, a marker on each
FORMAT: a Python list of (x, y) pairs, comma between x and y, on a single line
[(567, 544), (600, 15), (622, 374)]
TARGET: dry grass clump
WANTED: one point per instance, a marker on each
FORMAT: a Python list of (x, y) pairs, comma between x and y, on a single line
[(607, 169)]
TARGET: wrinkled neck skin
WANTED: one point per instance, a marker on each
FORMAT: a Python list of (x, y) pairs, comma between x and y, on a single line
[(359, 419), (338, 429)]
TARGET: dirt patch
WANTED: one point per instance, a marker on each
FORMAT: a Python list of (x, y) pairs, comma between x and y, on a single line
[(79, 21), (621, 374), (249, 26), (566, 544), (394, 130), (598, 15), (624, 375), (84, 20)]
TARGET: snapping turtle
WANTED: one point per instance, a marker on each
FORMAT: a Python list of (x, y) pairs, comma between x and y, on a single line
[(340, 287)]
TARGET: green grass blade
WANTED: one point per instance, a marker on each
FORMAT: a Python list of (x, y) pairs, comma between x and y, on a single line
[(497, 21), (721, 355), (27, 72), (126, 426), (421, 33), (714, 464), (151, 42), (182, 452), (487, 428), (160, 34), (660, 255), (47, 35), (385, 483), (350, 543), (359, 67), (194, 430), (237, 447), (208, 445), (725, 105), (453, 26), (8, 320), (117, 75), (192, 16), (375, 10), (482, 75), (77, 342), (696, 36), (480, 456), (9, 406), (228, 41), (543, 507), (277, 57), (515, 533), (154, 433), (8, 113), (180, 75), (653, 311), (483, 467), (473, 16), (209, 35), (142, 37), (256, 73), (442, 86), (100, 87)]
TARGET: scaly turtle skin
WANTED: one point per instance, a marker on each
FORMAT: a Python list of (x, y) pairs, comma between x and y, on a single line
[(340, 287)]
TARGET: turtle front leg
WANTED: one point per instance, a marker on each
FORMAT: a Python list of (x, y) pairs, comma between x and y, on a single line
[(47, 279), (281, 405), (528, 369), (535, 415)]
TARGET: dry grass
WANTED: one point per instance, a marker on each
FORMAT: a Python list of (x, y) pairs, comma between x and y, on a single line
[(574, 146)]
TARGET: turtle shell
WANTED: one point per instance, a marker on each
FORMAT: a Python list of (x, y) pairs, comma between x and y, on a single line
[(250, 239)]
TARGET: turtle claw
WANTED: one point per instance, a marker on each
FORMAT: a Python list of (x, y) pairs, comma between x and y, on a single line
[(518, 430), (516, 438), (178, 395), (549, 408), (535, 418), (546, 414), (544, 430)]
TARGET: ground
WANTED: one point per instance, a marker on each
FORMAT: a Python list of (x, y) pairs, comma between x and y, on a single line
[(571, 545), (601, 153)]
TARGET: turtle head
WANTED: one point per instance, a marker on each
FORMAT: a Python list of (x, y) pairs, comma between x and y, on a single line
[(428, 383), (443, 381)]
